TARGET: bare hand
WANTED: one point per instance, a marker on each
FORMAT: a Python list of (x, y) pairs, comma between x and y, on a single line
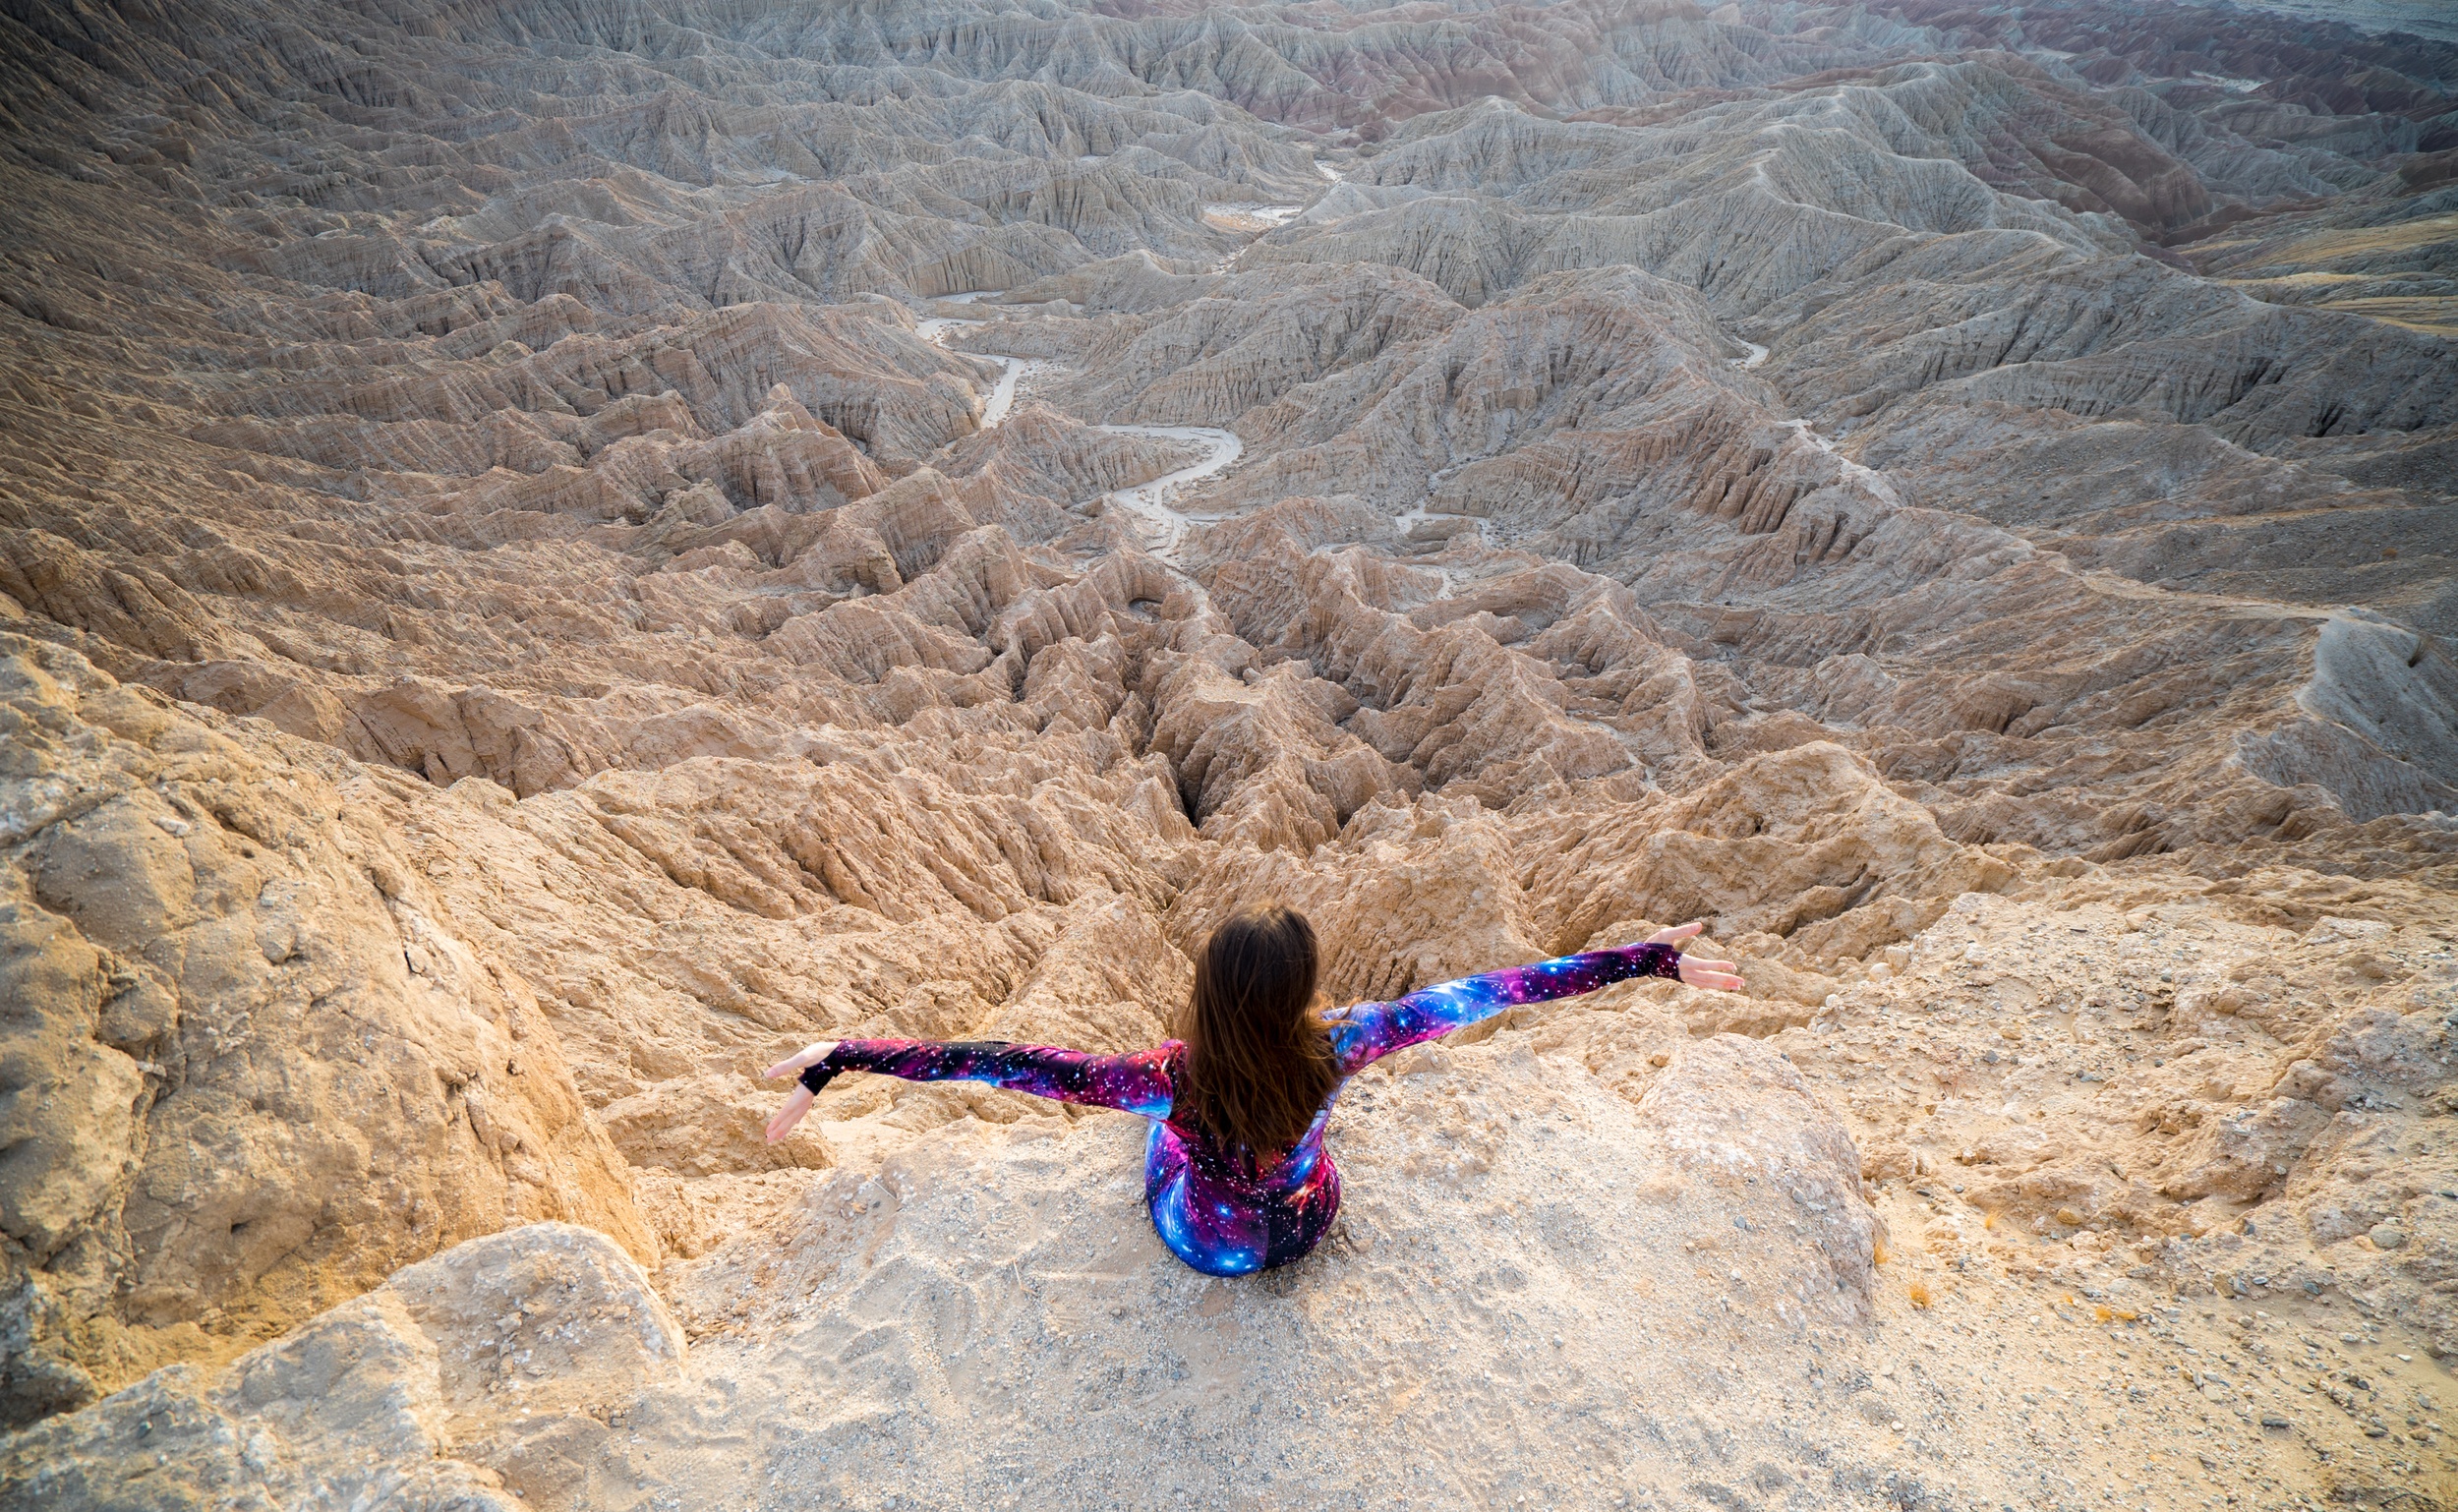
[(799, 1101), (1697, 970)]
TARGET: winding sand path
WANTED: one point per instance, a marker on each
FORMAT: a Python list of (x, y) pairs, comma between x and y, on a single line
[(1878, 481), (1148, 501), (1162, 528)]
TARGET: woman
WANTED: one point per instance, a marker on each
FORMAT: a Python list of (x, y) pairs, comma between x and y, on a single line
[(1235, 1173)]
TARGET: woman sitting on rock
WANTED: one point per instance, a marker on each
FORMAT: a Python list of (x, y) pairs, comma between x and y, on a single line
[(1235, 1173)]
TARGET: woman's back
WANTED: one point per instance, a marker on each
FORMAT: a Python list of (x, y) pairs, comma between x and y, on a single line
[(1259, 1073), (1223, 1209), (1256, 1068)]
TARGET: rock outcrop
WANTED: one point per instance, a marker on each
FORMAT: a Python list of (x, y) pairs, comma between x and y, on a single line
[(251, 1073), (480, 1378)]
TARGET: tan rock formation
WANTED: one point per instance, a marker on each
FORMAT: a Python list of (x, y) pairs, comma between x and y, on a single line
[(252, 1071), (552, 554), (429, 1391)]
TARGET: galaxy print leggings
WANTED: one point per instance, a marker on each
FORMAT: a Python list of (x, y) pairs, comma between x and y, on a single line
[(1211, 1206)]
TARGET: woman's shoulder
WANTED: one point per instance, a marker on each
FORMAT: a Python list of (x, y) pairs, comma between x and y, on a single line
[(1344, 1027)]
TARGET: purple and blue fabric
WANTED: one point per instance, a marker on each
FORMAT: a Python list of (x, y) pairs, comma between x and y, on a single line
[(1219, 1211)]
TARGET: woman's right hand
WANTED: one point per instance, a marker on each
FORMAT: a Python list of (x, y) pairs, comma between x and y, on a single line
[(1697, 970), (798, 1102)]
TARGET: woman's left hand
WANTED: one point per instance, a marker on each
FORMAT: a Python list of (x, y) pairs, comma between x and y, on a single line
[(798, 1102), (1697, 970)]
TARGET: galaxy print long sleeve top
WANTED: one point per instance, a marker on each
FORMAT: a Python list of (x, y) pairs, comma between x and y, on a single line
[(1220, 1210)]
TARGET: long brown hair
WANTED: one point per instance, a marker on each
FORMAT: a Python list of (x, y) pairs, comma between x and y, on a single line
[(1259, 1063)]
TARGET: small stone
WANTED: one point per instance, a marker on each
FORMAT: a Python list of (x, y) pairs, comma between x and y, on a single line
[(2273, 1421), (2388, 1235)]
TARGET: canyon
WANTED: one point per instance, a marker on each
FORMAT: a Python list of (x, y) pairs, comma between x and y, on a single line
[(553, 552)]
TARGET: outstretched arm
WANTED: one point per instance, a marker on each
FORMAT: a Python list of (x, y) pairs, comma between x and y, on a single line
[(1372, 1031), (1136, 1083)]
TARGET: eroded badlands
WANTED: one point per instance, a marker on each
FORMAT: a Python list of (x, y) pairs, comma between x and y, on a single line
[(550, 554)]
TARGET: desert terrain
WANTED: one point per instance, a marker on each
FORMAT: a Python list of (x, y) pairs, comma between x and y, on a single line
[(553, 552)]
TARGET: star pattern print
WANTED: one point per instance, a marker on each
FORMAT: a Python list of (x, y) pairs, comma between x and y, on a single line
[(1214, 1208)]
